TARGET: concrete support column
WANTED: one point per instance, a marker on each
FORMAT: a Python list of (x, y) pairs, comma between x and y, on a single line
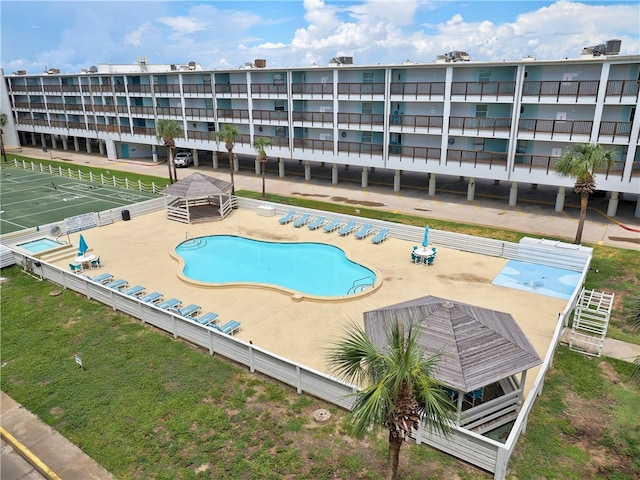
[(256, 165), (88, 145), (76, 144), (334, 174), (43, 141), (196, 160), (613, 204), (396, 181), (236, 163), (65, 143), (33, 139), (281, 167), (637, 212), (471, 189), (513, 194), (154, 154), (307, 171), (54, 142), (214, 157), (365, 177), (560, 196), (112, 153), (432, 185), (101, 150)]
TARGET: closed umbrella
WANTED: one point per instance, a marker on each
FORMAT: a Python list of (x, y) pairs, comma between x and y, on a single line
[(425, 242), (83, 247)]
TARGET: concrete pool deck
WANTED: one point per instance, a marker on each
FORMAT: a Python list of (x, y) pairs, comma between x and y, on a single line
[(139, 252)]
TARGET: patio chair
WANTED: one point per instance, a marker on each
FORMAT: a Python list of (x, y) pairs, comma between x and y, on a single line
[(134, 291), (415, 258), (317, 223), (208, 318), (167, 304), (301, 220), (347, 229), (153, 297), (103, 278), (332, 225), (117, 284), (381, 236), (95, 263), (431, 258), (474, 396), (288, 217), (76, 267), (363, 232)]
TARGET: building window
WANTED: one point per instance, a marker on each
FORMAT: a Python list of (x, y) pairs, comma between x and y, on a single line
[(278, 78), (366, 137), (367, 107), (367, 77), (481, 111), (278, 105), (485, 76)]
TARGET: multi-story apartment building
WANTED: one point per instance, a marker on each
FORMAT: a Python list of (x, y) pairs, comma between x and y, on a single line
[(505, 121)]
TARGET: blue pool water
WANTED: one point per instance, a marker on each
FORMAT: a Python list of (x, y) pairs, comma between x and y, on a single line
[(40, 245), (310, 268), (540, 279)]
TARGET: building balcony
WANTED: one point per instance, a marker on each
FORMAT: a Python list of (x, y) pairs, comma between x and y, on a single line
[(399, 122), (125, 129), (141, 110), (197, 89), (483, 90), (77, 125), (151, 132), (418, 90), (58, 107), (311, 119), (360, 119), (622, 89), (169, 111), (268, 89), (312, 89), (277, 116), (231, 89), (277, 141), (138, 88), (199, 113), (530, 128), (123, 109), (477, 158), (38, 106), (14, 87), (70, 88), (34, 88), (232, 115), (567, 91), (408, 152), (22, 105), (477, 125), (361, 90), (313, 145), (104, 108), (173, 89), (58, 124), (101, 127), (75, 107), (546, 163), (201, 136), (361, 149), (615, 131), (51, 88), (118, 88), (105, 88)]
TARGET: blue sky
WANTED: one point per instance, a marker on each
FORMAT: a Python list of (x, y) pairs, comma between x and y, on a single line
[(72, 35)]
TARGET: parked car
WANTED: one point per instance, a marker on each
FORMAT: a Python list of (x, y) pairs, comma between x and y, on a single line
[(183, 159)]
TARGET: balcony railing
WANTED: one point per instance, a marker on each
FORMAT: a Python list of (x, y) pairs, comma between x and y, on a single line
[(144, 131), (139, 88), (233, 114), (204, 113), (418, 89), (474, 157), (361, 118), (51, 88), (78, 125), (170, 88), (125, 129), (616, 129), (312, 144), (476, 124), (414, 153), (123, 109), (313, 117), (361, 89), (105, 88), (623, 88), (270, 115), (277, 140), (101, 127), (547, 163), (268, 88), (38, 105), (55, 106), (492, 89), (71, 88), (413, 122), (104, 108), (74, 107), (587, 88), (197, 88), (22, 105), (141, 110), (232, 88), (312, 89), (58, 123), (15, 87), (34, 88), (119, 88), (169, 111), (202, 136), (359, 148), (556, 127)]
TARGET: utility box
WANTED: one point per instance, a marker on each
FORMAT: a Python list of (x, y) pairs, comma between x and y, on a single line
[(126, 215)]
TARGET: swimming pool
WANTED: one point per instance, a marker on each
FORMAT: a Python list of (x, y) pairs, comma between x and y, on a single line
[(310, 269), (540, 279), (40, 245)]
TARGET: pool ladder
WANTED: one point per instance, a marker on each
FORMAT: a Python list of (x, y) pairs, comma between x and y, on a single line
[(357, 287), (193, 242)]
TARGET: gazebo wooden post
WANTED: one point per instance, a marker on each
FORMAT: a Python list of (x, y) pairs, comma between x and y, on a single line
[(459, 407), (523, 378), (188, 215)]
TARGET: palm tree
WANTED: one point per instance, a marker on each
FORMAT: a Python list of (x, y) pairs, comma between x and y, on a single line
[(228, 134), (168, 131), (259, 144), (3, 123), (580, 163), (398, 386)]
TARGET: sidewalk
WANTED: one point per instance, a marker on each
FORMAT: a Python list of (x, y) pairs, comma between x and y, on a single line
[(70, 463)]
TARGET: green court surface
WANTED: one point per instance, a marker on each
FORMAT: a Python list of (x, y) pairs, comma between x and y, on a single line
[(30, 199)]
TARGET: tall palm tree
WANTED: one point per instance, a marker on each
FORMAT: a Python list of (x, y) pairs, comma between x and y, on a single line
[(580, 163), (3, 123), (259, 144), (228, 134), (397, 385), (168, 131)]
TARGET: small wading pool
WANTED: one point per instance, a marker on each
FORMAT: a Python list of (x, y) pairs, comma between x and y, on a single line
[(313, 269), (40, 245), (530, 277)]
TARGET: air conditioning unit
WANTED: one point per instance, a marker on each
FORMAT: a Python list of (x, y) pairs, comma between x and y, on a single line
[(260, 63)]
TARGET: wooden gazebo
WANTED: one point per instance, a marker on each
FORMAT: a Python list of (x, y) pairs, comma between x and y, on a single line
[(485, 355), (198, 198)]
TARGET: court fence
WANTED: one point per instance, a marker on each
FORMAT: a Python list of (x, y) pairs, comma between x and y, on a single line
[(102, 179), (479, 450)]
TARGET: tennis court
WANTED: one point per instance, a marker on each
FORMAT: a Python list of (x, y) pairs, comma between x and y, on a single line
[(30, 199)]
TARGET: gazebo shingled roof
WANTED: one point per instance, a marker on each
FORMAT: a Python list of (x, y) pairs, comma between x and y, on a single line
[(479, 346), (198, 185)]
